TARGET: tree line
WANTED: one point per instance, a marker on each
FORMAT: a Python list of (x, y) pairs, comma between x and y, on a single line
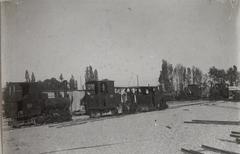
[(175, 79), (53, 83), (171, 78), (61, 83), (90, 74)]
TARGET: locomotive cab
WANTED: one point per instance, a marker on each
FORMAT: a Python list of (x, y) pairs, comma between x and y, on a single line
[(22, 100), (100, 87)]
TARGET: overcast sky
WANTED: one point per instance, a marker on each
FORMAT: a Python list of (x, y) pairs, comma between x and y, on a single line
[(120, 38)]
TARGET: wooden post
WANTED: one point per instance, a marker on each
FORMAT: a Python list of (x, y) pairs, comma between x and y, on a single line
[(218, 150), (235, 132), (190, 151)]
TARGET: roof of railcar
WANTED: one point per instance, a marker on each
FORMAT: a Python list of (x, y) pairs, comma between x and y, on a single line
[(136, 87), (104, 80), (22, 83)]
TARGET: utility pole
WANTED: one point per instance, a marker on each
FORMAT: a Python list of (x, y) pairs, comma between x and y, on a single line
[(137, 81)]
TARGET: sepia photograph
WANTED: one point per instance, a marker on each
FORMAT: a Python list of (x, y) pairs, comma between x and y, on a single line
[(120, 77)]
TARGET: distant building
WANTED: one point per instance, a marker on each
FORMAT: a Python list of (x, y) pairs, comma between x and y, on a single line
[(234, 93)]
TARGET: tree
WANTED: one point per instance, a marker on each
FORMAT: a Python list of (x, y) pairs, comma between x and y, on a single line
[(166, 76), (217, 75), (163, 78), (61, 77), (170, 76), (184, 76), (196, 75), (232, 75), (27, 78), (188, 76), (91, 75), (95, 75), (238, 79), (87, 74), (205, 80), (33, 77), (180, 77), (72, 83)]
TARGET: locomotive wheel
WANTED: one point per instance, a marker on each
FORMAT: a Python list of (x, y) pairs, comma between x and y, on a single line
[(120, 109), (114, 111), (39, 120), (91, 114), (94, 114), (33, 121), (98, 114)]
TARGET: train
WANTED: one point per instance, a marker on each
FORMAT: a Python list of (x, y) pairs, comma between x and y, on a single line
[(30, 103), (102, 97), (26, 102)]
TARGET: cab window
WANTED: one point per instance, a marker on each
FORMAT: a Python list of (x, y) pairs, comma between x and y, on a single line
[(92, 88), (49, 94), (103, 87)]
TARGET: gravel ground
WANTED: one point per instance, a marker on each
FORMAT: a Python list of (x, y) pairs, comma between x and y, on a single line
[(158, 132)]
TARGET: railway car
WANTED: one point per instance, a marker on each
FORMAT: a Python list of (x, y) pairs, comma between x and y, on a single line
[(193, 92), (234, 93), (142, 99), (26, 102), (219, 91), (100, 98)]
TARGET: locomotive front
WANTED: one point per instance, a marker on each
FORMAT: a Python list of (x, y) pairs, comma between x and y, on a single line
[(100, 98)]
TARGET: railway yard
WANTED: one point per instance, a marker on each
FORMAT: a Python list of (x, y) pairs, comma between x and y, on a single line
[(199, 126)]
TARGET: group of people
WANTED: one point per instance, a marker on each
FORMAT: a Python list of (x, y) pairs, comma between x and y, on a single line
[(130, 94)]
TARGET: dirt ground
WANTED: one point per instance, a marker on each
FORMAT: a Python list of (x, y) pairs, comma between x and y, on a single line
[(157, 132)]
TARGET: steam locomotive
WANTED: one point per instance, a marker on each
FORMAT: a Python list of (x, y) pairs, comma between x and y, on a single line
[(28, 103)]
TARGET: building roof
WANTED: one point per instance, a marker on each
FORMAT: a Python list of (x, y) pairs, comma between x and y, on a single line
[(233, 88), (104, 80)]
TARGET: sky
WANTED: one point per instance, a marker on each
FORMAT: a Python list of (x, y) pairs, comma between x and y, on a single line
[(120, 38)]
